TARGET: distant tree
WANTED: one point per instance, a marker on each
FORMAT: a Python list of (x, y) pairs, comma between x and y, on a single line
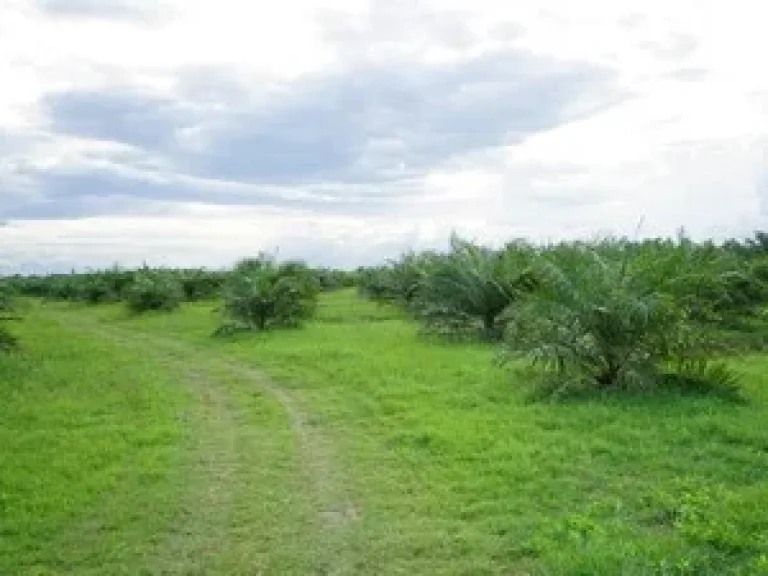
[(154, 290), (262, 293), (473, 286), (758, 242), (7, 309)]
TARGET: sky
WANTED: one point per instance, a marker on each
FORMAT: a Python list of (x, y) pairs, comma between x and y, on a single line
[(343, 132)]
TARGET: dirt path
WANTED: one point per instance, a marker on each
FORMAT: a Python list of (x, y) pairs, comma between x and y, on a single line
[(336, 509), (336, 512), (210, 482)]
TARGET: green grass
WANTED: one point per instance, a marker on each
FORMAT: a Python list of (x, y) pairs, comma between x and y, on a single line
[(451, 469), (117, 460), (82, 426)]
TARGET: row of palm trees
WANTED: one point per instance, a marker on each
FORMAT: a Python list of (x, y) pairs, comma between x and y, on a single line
[(610, 313)]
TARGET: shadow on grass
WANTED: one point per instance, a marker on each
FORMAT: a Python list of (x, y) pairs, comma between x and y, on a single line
[(668, 388), (9, 343)]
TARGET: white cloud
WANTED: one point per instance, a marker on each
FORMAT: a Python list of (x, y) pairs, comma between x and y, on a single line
[(684, 144)]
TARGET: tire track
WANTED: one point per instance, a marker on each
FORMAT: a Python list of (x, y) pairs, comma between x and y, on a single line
[(337, 514)]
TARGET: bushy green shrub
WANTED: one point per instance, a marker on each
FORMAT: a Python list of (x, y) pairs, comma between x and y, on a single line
[(618, 316), (95, 289), (471, 288), (262, 294), (154, 291), (60, 287), (7, 308), (6, 299), (201, 284), (99, 286), (462, 293), (400, 281), (377, 284)]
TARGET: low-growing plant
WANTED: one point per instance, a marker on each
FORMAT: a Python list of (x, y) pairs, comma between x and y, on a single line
[(262, 294), (60, 287), (201, 284), (400, 281), (95, 289), (331, 279), (154, 290), (101, 286), (472, 287), (616, 318)]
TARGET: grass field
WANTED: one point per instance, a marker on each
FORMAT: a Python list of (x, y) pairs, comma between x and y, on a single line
[(141, 445)]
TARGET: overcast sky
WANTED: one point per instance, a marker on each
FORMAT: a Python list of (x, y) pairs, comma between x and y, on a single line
[(194, 132)]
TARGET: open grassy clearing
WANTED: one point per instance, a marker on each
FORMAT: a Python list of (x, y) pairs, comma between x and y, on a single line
[(119, 458), (448, 469)]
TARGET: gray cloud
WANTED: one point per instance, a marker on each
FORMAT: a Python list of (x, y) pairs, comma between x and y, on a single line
[(131, 10), (363, 124), (98, 191), (125, 117), (356, 139)]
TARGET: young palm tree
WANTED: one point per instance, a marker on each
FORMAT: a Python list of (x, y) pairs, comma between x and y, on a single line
[(262, 294), (400, 281), (154, 290), (616, 314), (474, 286)]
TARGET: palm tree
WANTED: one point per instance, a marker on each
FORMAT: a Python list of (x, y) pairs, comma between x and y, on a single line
[(475, 285), (616, 314), (262, 293)]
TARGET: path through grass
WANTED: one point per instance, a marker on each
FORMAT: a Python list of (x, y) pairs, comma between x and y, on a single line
[(372, 451), (121, 457), (335, 511)]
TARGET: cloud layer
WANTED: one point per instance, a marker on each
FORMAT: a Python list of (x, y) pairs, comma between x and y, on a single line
[(313, 124)]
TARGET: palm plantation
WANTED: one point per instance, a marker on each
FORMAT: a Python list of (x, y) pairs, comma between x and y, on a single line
[(374, 430)]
